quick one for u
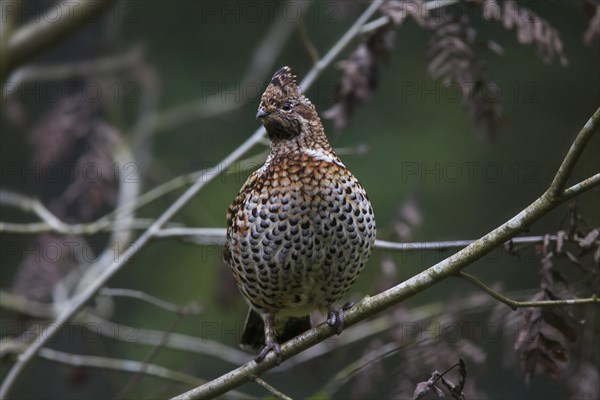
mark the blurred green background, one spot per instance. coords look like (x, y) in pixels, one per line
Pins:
(403, 146)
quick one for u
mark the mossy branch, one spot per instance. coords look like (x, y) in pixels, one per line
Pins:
(451, 266)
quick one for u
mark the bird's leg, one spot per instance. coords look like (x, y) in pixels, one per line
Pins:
(270, 341)
(335, 316)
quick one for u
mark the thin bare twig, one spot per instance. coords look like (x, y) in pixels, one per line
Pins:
(211, 106)
(131, 366)
(38, 35)
(351, 369)
(35, 206)
(104, 223)
(204, 345)
(582, 186)
(80, 360)
(101, 65)
(308, 44)
(453, 244)
(73, 229)
(216, 236)
(514, 304)
(133, 334)
(555, 191)
(107, 222)
(151, 356)
(350, 34)
(155, 301)
(276, 393)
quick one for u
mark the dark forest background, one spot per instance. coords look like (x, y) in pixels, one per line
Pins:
(440, 161)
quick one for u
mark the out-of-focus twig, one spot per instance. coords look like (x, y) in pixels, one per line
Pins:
(132, 366)
(308, 44)
(155, 301)
(102, 65)
(28, 204)
(132, 334)
(210, 106)
(31, 39)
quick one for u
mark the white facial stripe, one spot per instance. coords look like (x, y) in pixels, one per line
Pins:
(320, 155)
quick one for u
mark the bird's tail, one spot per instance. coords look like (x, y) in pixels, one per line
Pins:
(253, 336)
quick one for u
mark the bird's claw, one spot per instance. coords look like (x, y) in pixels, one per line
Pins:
(335, 317)
(268, 347)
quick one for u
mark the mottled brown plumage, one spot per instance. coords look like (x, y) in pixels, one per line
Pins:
(301, 229)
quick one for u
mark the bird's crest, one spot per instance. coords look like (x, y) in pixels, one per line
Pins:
(284, 78)
(282, 87)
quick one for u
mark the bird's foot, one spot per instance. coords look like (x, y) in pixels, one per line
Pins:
(268, 347)
(270, 340)
(335, 316)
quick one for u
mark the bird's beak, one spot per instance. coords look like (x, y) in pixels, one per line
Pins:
(261, 113)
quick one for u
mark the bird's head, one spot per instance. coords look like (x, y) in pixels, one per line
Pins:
(284, 111)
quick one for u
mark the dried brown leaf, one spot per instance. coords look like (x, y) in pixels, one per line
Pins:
(37, 275)
(359, 76)
(510, 14)
(557, 349)
(531, 28)
(558, 320)
(491, 10)
(453, 60)
(74, 137)
(589, 239)
(421, 390)
(397, 11)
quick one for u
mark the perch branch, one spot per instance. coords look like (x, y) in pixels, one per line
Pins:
(369, 306)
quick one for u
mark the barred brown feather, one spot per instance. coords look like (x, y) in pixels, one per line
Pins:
(302, 228)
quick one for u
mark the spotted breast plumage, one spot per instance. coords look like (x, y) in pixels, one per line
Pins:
(301, 229)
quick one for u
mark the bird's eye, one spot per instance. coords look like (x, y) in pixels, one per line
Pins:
(286, 107)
